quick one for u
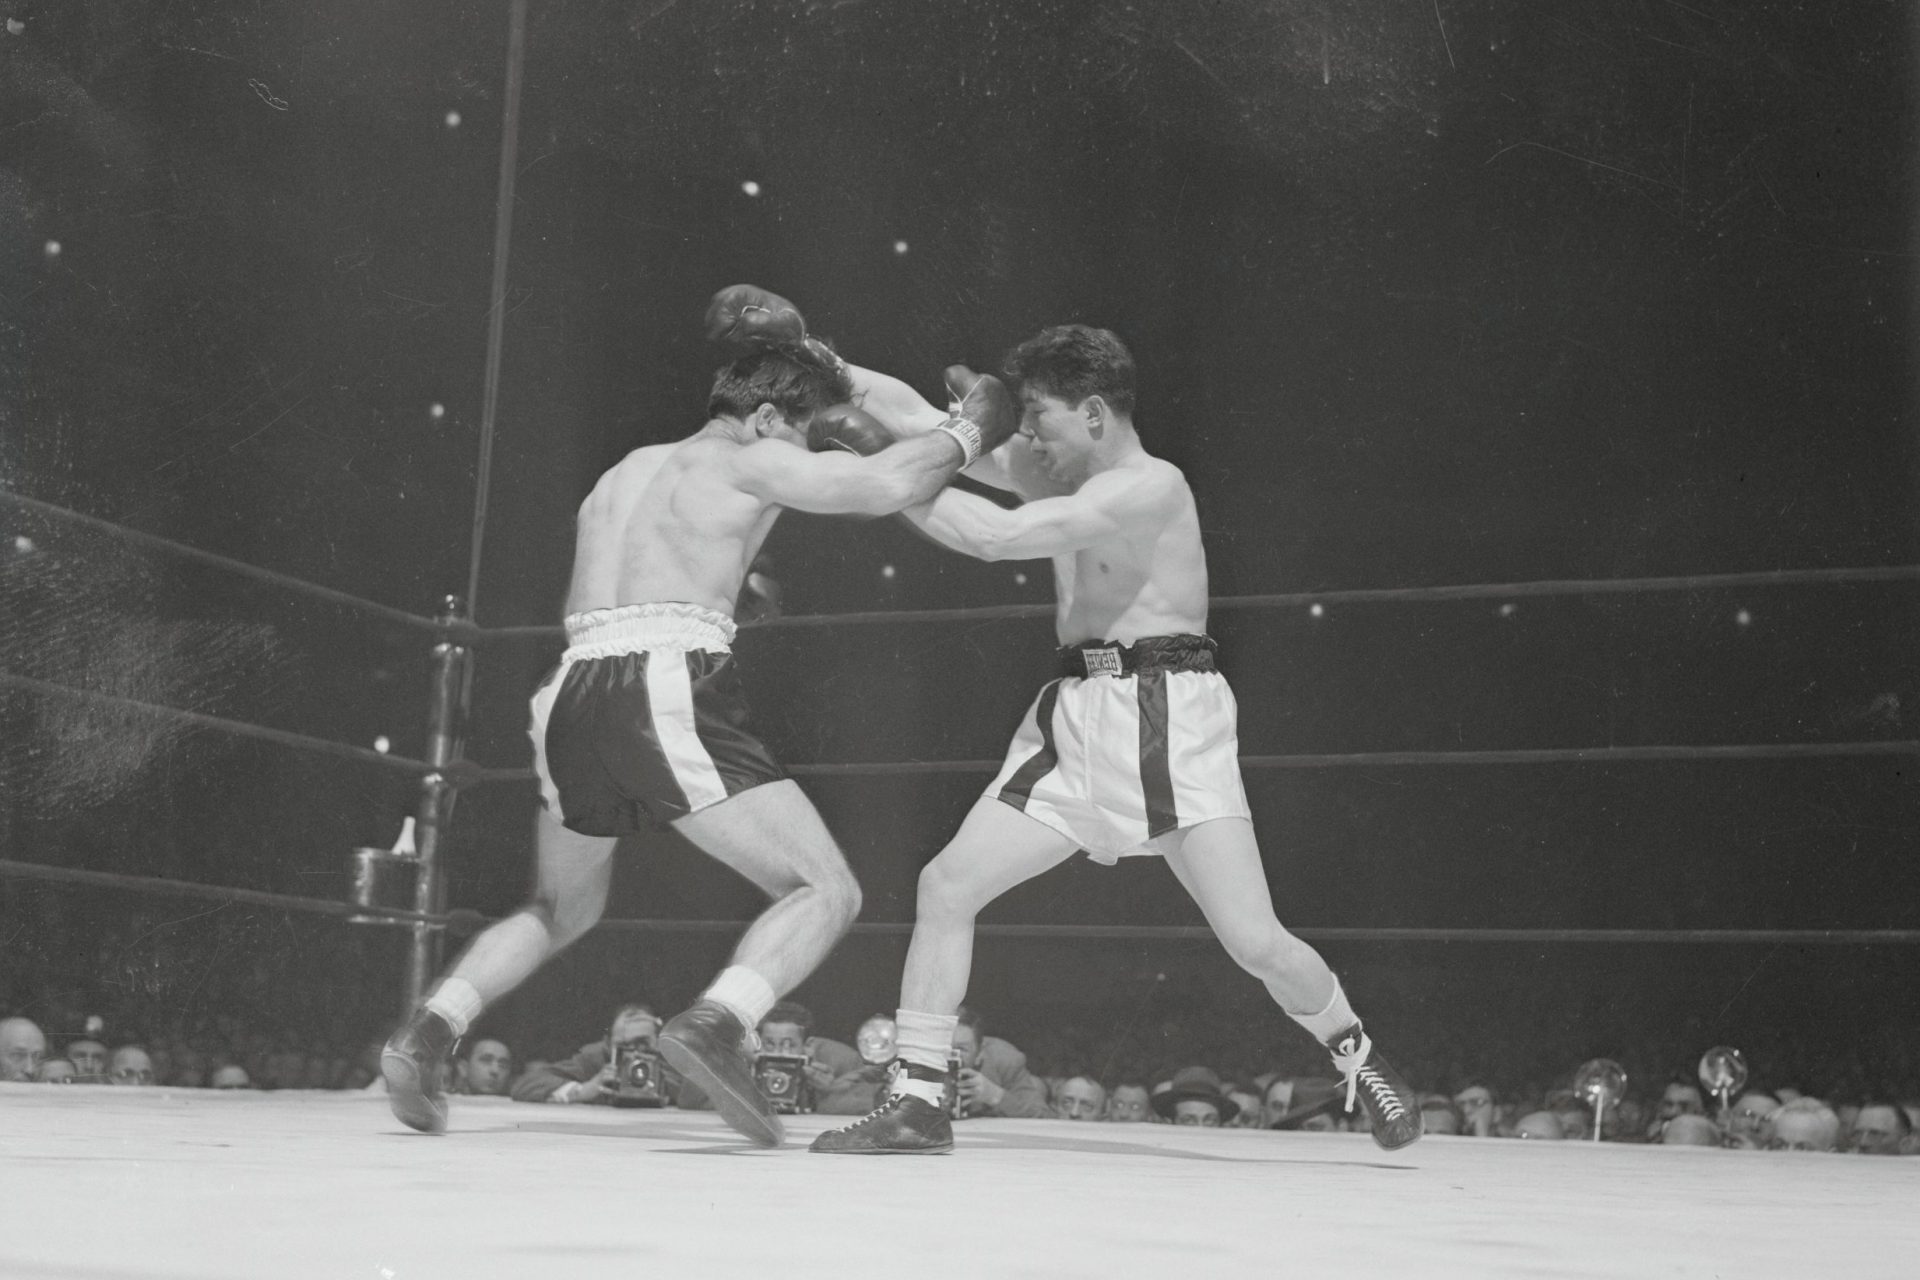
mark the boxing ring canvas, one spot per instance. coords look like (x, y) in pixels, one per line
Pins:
(172, 1185)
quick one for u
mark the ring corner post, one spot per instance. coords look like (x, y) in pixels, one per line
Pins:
(446, 733)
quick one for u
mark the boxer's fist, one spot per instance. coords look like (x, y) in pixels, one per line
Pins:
(749, 316)
(844, 427)
(983, 401)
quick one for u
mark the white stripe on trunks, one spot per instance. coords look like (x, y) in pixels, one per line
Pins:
(670, 694)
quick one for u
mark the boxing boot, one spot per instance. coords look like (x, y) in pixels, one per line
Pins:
(902, 1124)
(708, 1045)
(410, 1062)
(1393, 1110)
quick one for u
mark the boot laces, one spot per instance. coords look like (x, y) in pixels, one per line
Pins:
(889, 1103)
(1354, 1057)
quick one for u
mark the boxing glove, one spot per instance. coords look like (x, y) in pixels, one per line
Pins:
(985, 414)
(749, 316)
(842, 426)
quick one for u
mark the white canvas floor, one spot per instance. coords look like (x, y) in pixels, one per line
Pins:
(131, 1184)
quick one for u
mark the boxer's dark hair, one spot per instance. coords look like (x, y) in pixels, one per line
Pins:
(1074, 361)
(795, 379)
(791, 1011)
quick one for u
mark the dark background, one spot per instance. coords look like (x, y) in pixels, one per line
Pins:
(1475, 292)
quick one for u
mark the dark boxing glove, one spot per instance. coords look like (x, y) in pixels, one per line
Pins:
(985, 415)
(749, 316)
(842, 426)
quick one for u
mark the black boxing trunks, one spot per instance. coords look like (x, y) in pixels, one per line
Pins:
(1131, 742)
(644, 721)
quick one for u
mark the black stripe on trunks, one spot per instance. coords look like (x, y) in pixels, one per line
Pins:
(1156, 772)
(1019, 788)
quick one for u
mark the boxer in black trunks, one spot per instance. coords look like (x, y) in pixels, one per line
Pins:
(643, 723)
(1133, 750)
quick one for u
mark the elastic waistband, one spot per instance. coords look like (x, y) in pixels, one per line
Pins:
(631, 628)
(1092, 658)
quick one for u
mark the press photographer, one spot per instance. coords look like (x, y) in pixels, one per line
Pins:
(622, 1070)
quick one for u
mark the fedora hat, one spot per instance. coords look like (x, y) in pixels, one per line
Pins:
(1190, 1083)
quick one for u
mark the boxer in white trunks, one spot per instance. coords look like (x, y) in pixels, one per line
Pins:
(1132, 750)
(643, 723)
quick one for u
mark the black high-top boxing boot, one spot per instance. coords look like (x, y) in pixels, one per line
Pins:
(411, 1063)
(1392, 1108)
(903, 1123)
(710, 1046)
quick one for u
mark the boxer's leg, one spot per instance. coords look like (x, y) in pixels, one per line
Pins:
(772, 835)
(996, 848)
(1218, 862)
(570, 893)
(571, 876)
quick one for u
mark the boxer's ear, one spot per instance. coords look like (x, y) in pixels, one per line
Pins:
(1095, 410)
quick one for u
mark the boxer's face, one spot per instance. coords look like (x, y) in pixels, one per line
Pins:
(1058, 434)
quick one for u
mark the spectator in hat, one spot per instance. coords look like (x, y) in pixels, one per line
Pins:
(1194, 1096)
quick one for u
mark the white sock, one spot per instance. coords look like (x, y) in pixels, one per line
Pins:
(924, 1039)
(1337, 1017)
(744, 992)
(458, 1002)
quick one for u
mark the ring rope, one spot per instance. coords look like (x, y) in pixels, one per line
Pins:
(241, 567)
(241, 728)
(467, 921)
(465, 773)
(1347, 595)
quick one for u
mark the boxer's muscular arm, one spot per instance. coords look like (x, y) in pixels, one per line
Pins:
(1108, 506)
(906, 412)
(839, 483)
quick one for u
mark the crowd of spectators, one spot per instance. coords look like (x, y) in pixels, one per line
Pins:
(811, 1072)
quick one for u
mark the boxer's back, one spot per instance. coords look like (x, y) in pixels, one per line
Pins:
(667, 523)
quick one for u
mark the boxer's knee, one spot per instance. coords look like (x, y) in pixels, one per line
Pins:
(841, 894)
(1263, 949)
(567, 915)
(944, 891)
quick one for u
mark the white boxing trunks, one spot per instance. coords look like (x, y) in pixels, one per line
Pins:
(1141, 741)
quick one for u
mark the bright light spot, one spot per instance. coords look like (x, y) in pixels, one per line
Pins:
(382, 745)
(1742, 618)
(15, 27)
(23, 544)
(899, 246)
(887, 571)
(436, 411)
(751, 187)
(53, 248)
(1507, 610)
(1318, 611)
(1019, 579)
(453, 119)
